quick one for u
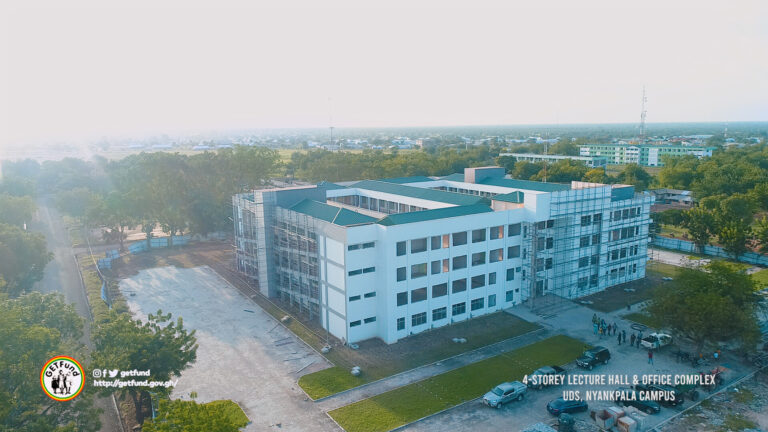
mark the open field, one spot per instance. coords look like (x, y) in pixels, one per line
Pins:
(412, 402)
(615, 297)
(644, 319)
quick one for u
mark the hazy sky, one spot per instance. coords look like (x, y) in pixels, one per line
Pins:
(88, 69)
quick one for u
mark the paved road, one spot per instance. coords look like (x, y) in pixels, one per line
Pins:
(61, 275)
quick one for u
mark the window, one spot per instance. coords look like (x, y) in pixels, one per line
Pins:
(596, 239)
(597, 218)
(615, 234)
(478, 235)
(370, 294)
(550, 242)
(418, 319)
(436, 242)
(439, 313)
(458, 286)
(497, 232)
(492, 278)
(478, 258)
(582, 283)
(550, 223)
(623, 253)
(617, 215)
(437, 267)
(418, 270)
(353, 247)
(492, 300)
(355, 272)
(513, 252)
(625, 214)
(583, 262)
(418, 245)
(354, 298)
(419, 294)
(401, 274)
(400, 248)
(369, 245)
(548, 263)
(541, 225)
(369, 269)
(458, 309)
(509, 296)
(459, 262)
(510, 274)
(354, 323)
(614, 255)
(446, 266)
(477, 304)
(540, 243)
(584, 241)
(459, 238)
(586, 220)
(593, 280)
(369, 320)
(496, 255)
(446, 242)
(402, 298)
(513, 230)
(595, 259)
(401, 323)
(478, 281)
(439, 290)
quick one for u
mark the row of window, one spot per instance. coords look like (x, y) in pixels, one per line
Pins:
(584, 241)
(366, 321)
(622, 253)
(456, 239)
(626, 213)
(361, 271)
(366, 295)
(457, 286)
(361, 246)
(625, 233)
(594, 219)
(442, 312)
(456, 263)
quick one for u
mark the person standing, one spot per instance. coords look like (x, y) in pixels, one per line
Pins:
(639, 338)
(619, 338)
(632, 339)
(594, 327)
(650, 357)
(624, 336)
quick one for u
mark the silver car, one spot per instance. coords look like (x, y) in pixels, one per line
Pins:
(503, 393)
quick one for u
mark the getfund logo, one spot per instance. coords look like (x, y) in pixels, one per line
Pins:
(62, 378)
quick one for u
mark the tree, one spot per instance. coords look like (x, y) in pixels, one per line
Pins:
(635, 175)
(562, 171)
(761, 234)
(77, 203)
(189, 416)
(23, 257)
(16, 210)
(716, 305)
(733, 236)
(524, 170)
(700, 224)
(564, 147)
(597, 175)
(160, 345)
(30, 336)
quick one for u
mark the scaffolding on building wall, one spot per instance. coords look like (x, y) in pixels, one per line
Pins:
(557, 249)
(249, 241)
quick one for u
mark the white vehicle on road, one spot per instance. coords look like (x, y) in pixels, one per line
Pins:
(656, 340)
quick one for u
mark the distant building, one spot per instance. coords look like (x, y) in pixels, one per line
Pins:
(642, 154)
(590, 161)
(675, 197)
(394, 257)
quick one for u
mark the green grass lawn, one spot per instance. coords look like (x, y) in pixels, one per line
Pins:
(674, 231)
(414, 401)
(660, 269)
(761, 278)
(643, 318)
(231, 410)
(379, 360)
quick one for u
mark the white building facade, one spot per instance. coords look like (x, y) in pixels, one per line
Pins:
(387, 259)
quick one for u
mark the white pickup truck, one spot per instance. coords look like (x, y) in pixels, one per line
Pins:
(656, 340)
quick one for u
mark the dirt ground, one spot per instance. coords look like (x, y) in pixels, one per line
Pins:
(742, 407)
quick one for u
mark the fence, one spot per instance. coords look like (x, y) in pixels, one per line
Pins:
(141, 246)
(717, 251)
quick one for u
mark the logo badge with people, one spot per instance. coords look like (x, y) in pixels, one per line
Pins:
(62, 378)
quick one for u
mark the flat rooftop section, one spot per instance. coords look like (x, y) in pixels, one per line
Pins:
(525, 184)
(427, 215)
(403, 180)
(335, 215)
(516, 197)
(420, 193)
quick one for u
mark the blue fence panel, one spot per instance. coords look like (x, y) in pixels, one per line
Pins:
(716, 251)
(180, 240)
(137, 247)
(104, 263)
(158, 242)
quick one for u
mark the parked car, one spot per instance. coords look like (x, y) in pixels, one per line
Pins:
(594, 356)
(628, 397)
(503, 393)
(560, 405)
(679, 397)
(656, 340)
(535, 378)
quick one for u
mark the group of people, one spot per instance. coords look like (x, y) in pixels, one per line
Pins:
(602, 328)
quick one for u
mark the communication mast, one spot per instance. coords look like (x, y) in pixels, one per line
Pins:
(643, 113)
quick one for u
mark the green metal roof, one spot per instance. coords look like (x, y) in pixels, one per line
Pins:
(330, 186)
(402, 180)
(427, 215)
(421, 193)
(525, 184)
(513, 197)
(335, 215)
(459, 177)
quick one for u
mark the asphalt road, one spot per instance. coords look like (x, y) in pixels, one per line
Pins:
(61, 275)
